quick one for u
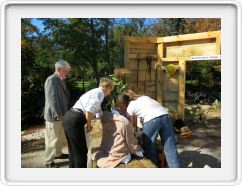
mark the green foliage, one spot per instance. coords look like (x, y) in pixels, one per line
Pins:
(204, 74)
(196, 25)
(30, 81)
(119, 87)
(174, 26)
(197, 114)
(87, 85)
(216, 105)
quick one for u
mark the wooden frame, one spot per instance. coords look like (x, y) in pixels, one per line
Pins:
(163, 51)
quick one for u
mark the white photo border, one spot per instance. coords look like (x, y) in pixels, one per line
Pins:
(10, 98)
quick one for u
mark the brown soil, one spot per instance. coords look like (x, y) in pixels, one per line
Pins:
(33, 129)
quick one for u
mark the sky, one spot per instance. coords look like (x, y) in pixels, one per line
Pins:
(40, 25)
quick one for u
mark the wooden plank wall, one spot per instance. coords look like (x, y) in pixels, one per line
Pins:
(169, 91)
(139, 79)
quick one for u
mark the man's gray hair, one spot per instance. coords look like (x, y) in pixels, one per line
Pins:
(62, 64)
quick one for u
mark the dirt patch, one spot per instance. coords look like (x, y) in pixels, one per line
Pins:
(32, 129)
(32, 146)
(203, 149)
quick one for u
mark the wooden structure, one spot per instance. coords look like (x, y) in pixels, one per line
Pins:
(147, 58)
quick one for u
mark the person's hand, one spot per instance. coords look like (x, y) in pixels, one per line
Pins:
(59, 118)
(89, 128)
(139, 154)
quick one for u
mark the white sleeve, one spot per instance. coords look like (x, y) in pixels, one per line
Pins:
(94, 104)
(130, 110)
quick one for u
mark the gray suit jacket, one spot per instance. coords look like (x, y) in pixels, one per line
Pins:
(57, 99)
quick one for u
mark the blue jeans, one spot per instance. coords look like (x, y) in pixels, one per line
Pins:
(161, 125)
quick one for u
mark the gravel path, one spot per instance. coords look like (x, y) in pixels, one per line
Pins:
(37, 135)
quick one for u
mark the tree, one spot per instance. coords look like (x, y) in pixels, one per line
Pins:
(205, 74)
(28, 53)
(197, 25)
(174, 26)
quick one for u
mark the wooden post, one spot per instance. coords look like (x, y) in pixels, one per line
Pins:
(160, 73)
(126, 52)
(218, 43)
(181, 94)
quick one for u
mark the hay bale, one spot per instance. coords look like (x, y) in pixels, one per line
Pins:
(96, 132)
(134, 163)
(137, 163)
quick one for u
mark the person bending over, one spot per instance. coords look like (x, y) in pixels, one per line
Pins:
(80, 114)
(156, 121)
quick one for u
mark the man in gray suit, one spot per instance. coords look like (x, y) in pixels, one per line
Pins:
(57, 103)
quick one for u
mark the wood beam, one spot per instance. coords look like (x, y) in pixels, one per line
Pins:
(188, 37)
(181, 94)
(141, 39)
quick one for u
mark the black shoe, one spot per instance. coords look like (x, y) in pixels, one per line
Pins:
(51, 165)
(63, 156)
